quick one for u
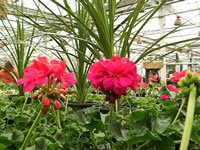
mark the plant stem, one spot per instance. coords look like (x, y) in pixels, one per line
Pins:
(26, 99)
(111, 110)
(56, 117)
(31, 130)
(116, 105)
(179, 111)
(141, 146)
(66, 107)
(189, 119)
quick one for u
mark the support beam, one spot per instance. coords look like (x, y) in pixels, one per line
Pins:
(162, 42)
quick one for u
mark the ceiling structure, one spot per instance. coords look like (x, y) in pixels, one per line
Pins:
(162, 22)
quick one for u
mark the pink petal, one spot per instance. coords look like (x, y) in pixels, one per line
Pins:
(108, 84)
(29, 86)
(41, 81)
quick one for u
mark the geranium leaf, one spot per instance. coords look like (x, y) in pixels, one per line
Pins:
(161, 123)
(2, 147)
(138, 115)
(165, 144)
(17, 136)
(143, 136)
(116, 131)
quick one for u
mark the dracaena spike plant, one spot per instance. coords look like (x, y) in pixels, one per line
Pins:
(189, 82)
(113, 77)
(52, 81)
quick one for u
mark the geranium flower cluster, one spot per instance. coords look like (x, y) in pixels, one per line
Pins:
(172, 88)
(142, 84)
(154, 78)
(164, 96)
(177, 76)
(114, 76)
(52, 80)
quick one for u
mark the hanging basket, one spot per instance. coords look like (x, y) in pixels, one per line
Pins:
(181, 51)
(177, 21)
(192, 54)
(152, 64)
(139, 41)
(1, 45)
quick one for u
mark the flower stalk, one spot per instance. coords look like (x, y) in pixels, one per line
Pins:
(31, 130)
(56, 117)
(189, 118)
(26, 99)
(111, 111)
(179, 111)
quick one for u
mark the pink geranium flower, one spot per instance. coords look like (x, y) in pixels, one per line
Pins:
(50, 77)
(154, 78)
(163, 96)
(178, 75)
(114, 76)
(172, 88)
(142, 84)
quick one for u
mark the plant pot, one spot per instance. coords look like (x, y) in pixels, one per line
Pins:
(76, 105)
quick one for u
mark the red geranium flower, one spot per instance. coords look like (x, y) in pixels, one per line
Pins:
(143, 84)
(114, 76)
(48, 76)
(177, 76)
(163, 96)
(172, 88)
(154, 78)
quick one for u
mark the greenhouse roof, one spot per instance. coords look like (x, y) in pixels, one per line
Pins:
(160, 24)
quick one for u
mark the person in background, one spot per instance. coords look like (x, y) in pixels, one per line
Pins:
(8, 73)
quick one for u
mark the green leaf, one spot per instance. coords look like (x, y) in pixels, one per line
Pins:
(6, 139)
(165, 144)
(2, 114)
(41, 143)
(79, 117)
(161, 123)
(20, 118)
(144, 135)
(98, 125)
(2, 147)
(138, 115)
(17, 136)
(115, 129)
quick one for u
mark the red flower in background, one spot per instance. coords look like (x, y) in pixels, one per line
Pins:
(114, 76)
(163, 96)
(142, 84)
(172, 88)
(154, 78)
(177, 76)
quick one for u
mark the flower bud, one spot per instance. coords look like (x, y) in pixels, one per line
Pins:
(195, 78)
(63, 91)
(45, 102)
(185, 91)
(36, 94)
(44, 110)
(189, 74)
(56, 104)
(58, 93)
(183, 82)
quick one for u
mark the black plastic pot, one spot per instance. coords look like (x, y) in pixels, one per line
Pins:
(77, 106)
